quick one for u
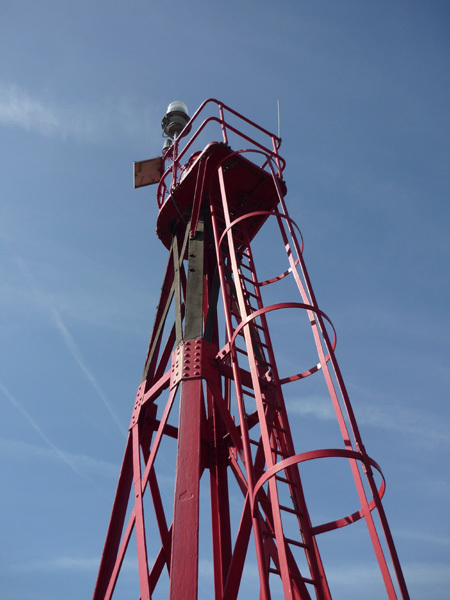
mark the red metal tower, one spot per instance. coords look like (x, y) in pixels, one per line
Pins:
(211, 406)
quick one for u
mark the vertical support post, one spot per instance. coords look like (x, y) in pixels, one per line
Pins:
(220, 508)
(184, 557)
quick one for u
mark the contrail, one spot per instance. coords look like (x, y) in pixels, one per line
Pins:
(70, 342)
(42, 435)
(75, 352)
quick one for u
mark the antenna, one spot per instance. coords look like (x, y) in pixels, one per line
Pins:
(279, 121)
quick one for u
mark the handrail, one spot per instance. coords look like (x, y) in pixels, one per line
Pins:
(177, 152)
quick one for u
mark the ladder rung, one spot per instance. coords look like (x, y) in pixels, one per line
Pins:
(247, 293)
(304, 579)
(238, 239)
(254, 442)
(284, 480)
(246, 267)
(263, 362)
(279, 452)
(290, 510)
(248, 280)
(250, 309)
(258, 342)
(307, 580)
(272, 405)
(295, 543)
(281, 429)
(241, 351)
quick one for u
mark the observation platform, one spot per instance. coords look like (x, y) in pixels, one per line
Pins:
(249, 189)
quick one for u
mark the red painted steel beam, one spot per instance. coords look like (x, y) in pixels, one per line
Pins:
(184, 559)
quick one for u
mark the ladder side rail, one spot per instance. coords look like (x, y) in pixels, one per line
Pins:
(248, 462)
(316, 565)
(266, 524)
(285, 441)
(384, 569)
(308, 296)
(285, 576)
(306, 292)
(360, 488)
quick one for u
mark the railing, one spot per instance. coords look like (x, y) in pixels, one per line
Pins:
(179, 150)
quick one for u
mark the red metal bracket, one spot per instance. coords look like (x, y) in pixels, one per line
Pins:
(137, 404)
(193, 359)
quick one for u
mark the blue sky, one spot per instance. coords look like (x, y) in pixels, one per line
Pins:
(364, 95)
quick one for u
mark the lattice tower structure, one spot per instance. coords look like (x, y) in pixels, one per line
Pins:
(211, 474)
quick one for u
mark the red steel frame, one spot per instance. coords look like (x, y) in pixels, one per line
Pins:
(232, 420)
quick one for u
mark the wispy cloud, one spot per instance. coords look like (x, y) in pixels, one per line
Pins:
(393, 417)
(316, 406)
(425, 538)
(85, 123)
(70, 342)
(425, 574)
(71, 563)
(416, 574)
(18, 109)
(26, 451)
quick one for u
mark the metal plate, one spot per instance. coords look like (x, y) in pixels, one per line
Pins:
(147, 172)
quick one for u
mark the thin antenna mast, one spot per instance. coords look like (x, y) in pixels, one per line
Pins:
(279, 120)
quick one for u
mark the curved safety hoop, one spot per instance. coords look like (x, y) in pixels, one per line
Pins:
(269, 162)
(262, 212)
(268, 157)
(300, 305)
(269, 213)
(315, 454)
